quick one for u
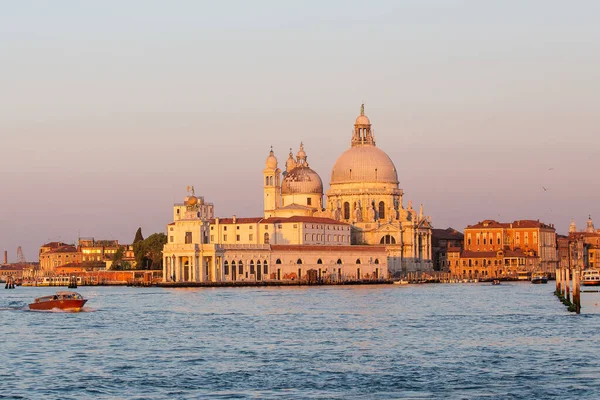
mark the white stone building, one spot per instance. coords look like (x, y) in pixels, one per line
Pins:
(362, 230)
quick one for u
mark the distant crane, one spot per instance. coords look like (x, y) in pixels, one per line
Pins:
(20, 255)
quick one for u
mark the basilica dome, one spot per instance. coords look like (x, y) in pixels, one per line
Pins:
(364, 163)
(302, 180)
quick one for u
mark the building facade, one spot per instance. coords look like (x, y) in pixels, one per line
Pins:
(445, 244)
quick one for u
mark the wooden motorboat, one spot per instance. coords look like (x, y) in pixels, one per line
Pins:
(69, 301)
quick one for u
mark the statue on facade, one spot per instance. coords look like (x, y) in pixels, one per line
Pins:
(410, 204)
(421, 211)
(371, 213)
(358, 212)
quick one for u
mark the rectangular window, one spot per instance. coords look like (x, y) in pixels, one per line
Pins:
(224, 228)
(212, 238)
(237, 237)
(237, 227)
(171, 229)
(188, 237)
(224, 238)
(280, 226)
(250, 227)
(250, 237)
(171, 239)
(308, 201)
(295, 225)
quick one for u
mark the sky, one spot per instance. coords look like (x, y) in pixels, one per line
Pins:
(109, 109)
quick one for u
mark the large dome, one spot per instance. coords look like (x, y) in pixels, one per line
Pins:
(365, 163)
(302, 180)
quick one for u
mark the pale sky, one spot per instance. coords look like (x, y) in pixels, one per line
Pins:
(109, 109)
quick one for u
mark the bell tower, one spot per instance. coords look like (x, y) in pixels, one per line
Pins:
(272, 185)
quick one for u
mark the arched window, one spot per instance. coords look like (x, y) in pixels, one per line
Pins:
(276, 262)
(381, 210)
(240, 267)
(346, 210)
(252, 266)
(299, 261)
(226, 268)
(266, 181)
(265, 268)
(319, 261)
(266, 237)
(339, 261)
(377, 261)
(233, 267)
(388, 239)
(358, 260)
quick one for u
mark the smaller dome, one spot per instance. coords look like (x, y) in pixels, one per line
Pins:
(271, 161)
(190, 200)
(302, 180)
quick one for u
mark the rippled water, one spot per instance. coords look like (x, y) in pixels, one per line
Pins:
(423, 341)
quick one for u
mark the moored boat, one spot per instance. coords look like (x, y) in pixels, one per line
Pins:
(539, 278)
(590, 277)
(70, 301)
(401, 282)
(496, 282)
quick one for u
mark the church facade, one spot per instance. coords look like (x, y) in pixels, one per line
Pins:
(359, 230)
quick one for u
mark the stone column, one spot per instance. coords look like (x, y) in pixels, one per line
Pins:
(213, 270)
(164, 269)
(177, 262)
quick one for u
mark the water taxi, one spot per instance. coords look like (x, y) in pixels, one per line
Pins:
(590, 277)
(69, 301)
(539, 278)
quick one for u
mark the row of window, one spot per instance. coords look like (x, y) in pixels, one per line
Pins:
(320, 237)
(320, 261)
(239, 267)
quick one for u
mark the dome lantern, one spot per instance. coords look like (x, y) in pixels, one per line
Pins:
(362, 130)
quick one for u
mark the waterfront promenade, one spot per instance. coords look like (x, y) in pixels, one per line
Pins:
(336, 342)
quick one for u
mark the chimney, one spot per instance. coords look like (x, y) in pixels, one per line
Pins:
(234, 219)
(5, 257)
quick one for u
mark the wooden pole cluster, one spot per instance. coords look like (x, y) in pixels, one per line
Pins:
(558, 283)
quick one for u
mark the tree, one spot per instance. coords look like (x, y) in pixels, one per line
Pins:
(138, 236)
(148, 252)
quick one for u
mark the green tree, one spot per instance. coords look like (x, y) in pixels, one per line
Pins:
(138, 236)
(148, 252)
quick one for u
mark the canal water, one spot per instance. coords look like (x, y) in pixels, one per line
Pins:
(462, 341)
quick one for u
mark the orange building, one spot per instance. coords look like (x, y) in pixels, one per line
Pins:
(55, 254)
(534, 240)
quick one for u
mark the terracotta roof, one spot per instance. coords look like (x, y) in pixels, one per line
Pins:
(446, 234)
(520, 223)
(306, 247)
(252, 220)
(54, 245)
(14, 267)
(453, 249)
(315, 220)
(63, 249)
(488, 223)
(529, 223)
